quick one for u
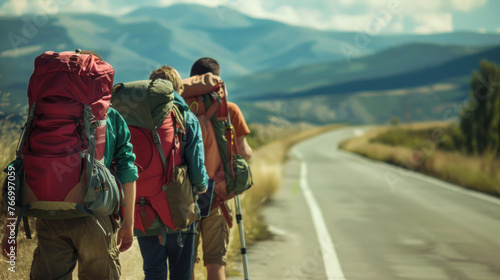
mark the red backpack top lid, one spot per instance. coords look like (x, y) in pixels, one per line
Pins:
(92, 78)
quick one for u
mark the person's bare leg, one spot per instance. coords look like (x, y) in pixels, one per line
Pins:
(216, 272)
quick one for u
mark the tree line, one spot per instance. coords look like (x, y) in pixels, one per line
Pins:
(479, 126)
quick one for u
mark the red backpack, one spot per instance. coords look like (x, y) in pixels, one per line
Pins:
(60, 171)
(165, 201)
(206, 97)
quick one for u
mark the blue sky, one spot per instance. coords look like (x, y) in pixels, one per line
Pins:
(392, 16)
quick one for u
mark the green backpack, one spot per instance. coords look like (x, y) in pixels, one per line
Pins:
(165, 199)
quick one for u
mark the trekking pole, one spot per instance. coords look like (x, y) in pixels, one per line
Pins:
(239, 220)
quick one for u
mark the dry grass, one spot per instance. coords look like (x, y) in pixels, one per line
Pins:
(23, 262)
(131, 262)
(9, 133)
(473, 172)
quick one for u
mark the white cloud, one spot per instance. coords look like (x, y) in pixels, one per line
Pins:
(20, 7)
(433, 23)
(21, 51)
(346, 3)
(87, 6)
(482, 30)
(430, 16)
(351, 23)
(467, 5)
(212, 3)
(437, 6)
(15, 7)
(421, 16)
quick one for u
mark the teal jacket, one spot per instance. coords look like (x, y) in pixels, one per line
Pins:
(119, 148)
(194, 151)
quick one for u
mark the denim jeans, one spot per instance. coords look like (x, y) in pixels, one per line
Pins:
(156, 256)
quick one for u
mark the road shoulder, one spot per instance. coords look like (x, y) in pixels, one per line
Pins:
(293, 252)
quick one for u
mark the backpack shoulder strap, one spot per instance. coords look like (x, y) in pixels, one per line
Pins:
(181, 129)
(96, 170)
(25, 130)
(157, 141)
(179, 122)
(215, 106)
(184, 139)
(180, 118)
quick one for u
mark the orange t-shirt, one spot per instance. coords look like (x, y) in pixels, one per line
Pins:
(212, 156)
(237, 120)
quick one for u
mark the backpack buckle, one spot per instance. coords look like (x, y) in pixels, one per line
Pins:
(156, 138)
(88, 113)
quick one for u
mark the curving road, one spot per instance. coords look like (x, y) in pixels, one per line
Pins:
(340, 216)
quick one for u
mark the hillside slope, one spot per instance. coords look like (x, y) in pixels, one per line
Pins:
(177, 35)
(436, 92)
(393, 61)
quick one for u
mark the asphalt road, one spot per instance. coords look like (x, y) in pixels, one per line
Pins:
(340, 216)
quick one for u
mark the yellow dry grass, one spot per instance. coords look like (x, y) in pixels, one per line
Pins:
(9, 133)
(474, 172)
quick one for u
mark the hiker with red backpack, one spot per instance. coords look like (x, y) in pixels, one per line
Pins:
(226, 154)
(71, 152)
(170, 155)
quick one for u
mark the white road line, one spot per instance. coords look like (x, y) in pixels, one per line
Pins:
(330, 259)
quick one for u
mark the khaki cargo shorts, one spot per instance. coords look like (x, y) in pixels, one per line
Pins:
(91, 241)
(214, 233)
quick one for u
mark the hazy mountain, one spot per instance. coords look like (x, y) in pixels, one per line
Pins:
(258, 44)
(196, 16)
(389, 62)
(455, 71)
(434, 92)
(145, 39)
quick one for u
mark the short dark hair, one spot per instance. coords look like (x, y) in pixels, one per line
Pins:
(92, 53)
(205, 65)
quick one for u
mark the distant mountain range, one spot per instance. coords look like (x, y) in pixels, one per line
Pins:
(413, 82)
(261, 59)
(383, 64)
